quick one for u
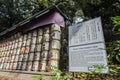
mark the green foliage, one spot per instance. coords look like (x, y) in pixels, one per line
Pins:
(116, 21)
(14, 11)
(114, 69)
(113, 49)
(40, 77)
(56, 75)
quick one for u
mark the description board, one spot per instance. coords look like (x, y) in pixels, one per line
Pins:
(87, 47)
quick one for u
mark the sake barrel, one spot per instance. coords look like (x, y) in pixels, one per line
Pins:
(45, 46)
(27, 49)
(7, 47)
(55, 44)
(11, 52)
(25, 57)
(29, 66)
(31, 56)
(34, 33)
(55, 27)
(28, 42)
(38, 48)
(55, 35)
(7, 67)
(46, 37)
(33, 41)
(9, 59)
(6, 59)
(20, 44)
(39, 39)
(4, 54)
(3, 59)
(40, 32)
(44, 55)
(4, 65)
(0, 59)
(46, 30)
(42, 65)
(16, 58)
(12, 47)
(19, 66)
(1, 65)
(13, 58)
(14, 65)
(15, 52)
(16, 45)
(32, 48)
(23, 50)
(18, 51)
(35, 66)
(13, 41)
(24, 43)
(29, 35)
(37, 56)
(8, 52)
(25, 37)
(11, 66)
(20, 38)
(52, 64)
(20, 57)
(17, 40)
(24, 65)
(4, 48)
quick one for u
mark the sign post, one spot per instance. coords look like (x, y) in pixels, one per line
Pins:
(87, 47)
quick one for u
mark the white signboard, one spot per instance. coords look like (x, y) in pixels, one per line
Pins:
(86, 47)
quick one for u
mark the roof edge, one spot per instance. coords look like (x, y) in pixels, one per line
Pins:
(34, 16)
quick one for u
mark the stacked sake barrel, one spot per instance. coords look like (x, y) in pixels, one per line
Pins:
(3, 55)
(15, 51)
(53, 56)
(37, 53)
(8, 51)
(19, 56)
(24, 52)
(36, 50)
(12, 52)
(31, 42)
(45, 48)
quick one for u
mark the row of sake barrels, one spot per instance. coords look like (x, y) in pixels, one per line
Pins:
(53, 55)
(54, 44)
(50, 60)
(31, 65)
(55, 33)
(29, 41)
(16, 43)
(17, 37)
(38, 48)
(45, 55)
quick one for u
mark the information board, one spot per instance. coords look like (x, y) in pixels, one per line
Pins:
(87, 47)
